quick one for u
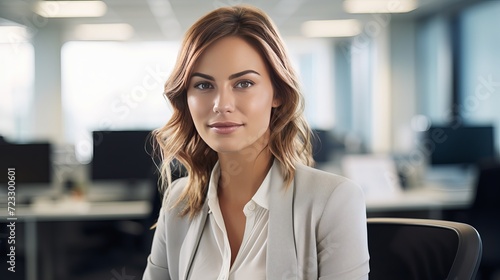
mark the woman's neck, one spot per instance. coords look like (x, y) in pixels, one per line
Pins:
(243, 173)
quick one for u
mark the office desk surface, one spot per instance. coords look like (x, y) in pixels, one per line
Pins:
(423, 198)
(68, 210)
(439, 189)
(81, 210)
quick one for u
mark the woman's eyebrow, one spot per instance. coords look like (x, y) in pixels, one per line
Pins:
(205, 76)
(232, 76)
(239, 74)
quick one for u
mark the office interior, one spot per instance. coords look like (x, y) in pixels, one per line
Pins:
(403, 98)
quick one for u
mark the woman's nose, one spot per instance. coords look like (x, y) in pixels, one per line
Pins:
(224, 101)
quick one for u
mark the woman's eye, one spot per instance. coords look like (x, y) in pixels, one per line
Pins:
(203, 86)
(244, 84)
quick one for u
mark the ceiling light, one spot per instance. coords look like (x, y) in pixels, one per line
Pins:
(64, 9)
(104, 32)
(331, 28)
(379, 6)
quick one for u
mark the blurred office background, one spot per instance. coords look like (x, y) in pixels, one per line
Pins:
(403, 95)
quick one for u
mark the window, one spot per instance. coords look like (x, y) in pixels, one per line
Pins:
(16, 89)
(434, 70)
(313, 62)
(480, 71)
(113, 86)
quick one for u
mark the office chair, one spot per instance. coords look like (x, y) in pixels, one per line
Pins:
(484, 212)
(422, 249)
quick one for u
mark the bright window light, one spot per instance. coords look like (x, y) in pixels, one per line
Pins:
(64, 9)
(112, 86)
(379, 6)
(11, 34)
(331, 28)
(104, 32)
(16, 90)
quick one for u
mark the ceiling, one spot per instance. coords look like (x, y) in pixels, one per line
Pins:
(168, 19)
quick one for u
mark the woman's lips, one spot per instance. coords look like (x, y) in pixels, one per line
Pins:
(225, 127)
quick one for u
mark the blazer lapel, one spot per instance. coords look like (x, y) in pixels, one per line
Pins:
(190, 245)
(281, 250)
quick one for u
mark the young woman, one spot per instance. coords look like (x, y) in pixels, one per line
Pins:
(251, 207)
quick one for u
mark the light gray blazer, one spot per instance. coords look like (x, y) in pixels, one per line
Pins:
(317, 230)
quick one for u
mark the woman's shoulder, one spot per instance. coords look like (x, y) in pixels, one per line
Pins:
(325, 192)
(173, 192)
(318, 181)
(319, 176)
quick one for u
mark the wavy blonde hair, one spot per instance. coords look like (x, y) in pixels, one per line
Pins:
(290, 135)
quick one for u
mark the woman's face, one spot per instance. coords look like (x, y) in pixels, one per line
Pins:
(230, 96)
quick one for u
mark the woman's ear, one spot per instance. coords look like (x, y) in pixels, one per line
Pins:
(276, 102)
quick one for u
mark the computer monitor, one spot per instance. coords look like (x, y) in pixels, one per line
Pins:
(32, 162)
(122, 155)
(459, 145)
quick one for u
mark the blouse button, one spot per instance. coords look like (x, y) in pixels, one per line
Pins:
(251, 206)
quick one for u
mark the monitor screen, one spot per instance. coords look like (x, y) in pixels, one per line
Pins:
(32, 162)
(121, 155)
(460, 145)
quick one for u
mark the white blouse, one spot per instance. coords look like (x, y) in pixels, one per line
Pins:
(212, 259)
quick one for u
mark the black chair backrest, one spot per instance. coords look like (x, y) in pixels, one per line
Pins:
(488, 186)
(422, 249)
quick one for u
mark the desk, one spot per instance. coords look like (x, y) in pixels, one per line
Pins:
(430, 193)
(70, 211)
(424, 198)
